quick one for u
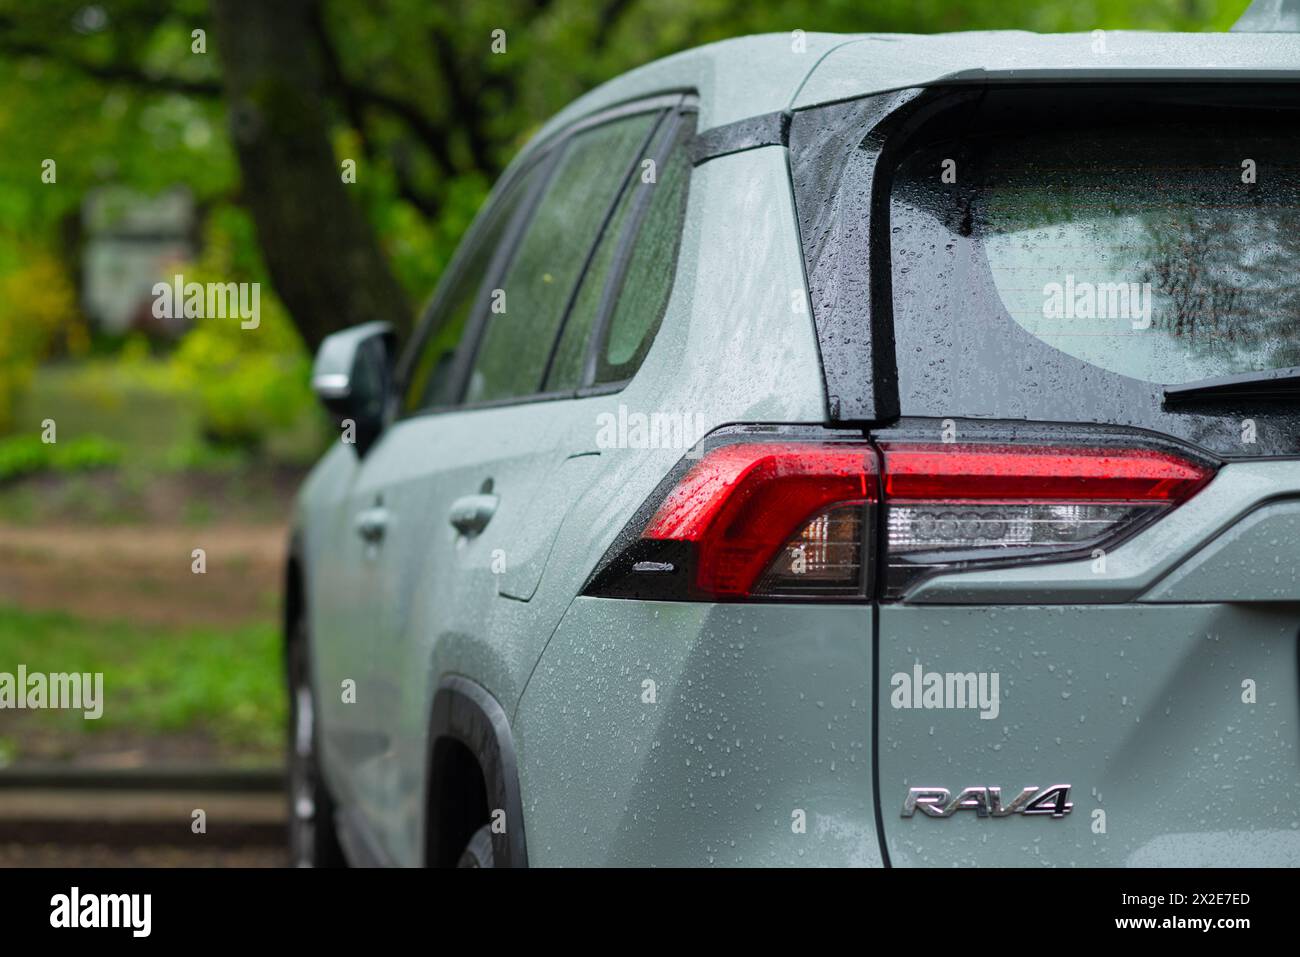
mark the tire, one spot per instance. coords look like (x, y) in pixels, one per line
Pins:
(478, 852)
(313, 840)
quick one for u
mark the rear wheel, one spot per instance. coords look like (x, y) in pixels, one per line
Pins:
(313, 841)
(478, 852)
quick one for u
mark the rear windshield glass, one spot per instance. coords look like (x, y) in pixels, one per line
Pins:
(1153, 236)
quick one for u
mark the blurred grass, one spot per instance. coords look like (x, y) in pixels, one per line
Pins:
(131, 450)
(137, 405)
(223, 681)
(130, 436)
(28, 455)
(129, 404)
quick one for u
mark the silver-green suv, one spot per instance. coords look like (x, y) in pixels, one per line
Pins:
(832, 450)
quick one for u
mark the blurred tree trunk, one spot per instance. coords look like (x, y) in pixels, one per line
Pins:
(323, 256)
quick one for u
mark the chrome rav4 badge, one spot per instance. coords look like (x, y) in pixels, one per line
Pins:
(987, 802)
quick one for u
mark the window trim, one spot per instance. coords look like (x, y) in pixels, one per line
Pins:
(673, 104)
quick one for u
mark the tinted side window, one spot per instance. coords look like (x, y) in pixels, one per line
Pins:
(639, 274)
(429, 383)
(540, 279)
(649, 277)
(571, 353)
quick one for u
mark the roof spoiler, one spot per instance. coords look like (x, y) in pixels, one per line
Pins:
(1269, 16)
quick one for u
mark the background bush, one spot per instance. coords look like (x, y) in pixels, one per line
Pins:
(38, 315)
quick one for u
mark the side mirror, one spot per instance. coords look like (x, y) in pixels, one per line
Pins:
(353, 378)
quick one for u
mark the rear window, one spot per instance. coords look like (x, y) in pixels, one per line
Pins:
(1153, 235)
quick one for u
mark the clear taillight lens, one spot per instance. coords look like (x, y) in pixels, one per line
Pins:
(949, 525)
(953, 505)
(826, 556)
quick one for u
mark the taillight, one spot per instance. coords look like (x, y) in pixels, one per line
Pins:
(772, 519)
(956, 505)
(797, 519)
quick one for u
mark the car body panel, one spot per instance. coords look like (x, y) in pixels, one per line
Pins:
(1138, 708)
(1246, 563)
(736, 344)
(874, 64)
(735, 79)
(751, 747)
(337, 575)
(437, 584)
(532, 543)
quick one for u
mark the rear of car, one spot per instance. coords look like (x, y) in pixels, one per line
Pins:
(850, 451)
(1081, 318)
(1025, 591)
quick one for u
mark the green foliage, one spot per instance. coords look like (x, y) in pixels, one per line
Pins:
(37, 315)
(58, 103)
(115, 94)
(27, 455)
(249, 382)
(197, 455)
(129, 399)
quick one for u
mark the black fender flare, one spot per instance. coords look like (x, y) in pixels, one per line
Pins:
(465, 711)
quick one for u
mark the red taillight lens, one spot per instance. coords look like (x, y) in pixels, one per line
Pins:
(751, 519)
(796, 519)
(955, 504)
(742, 503)
(1010, 473)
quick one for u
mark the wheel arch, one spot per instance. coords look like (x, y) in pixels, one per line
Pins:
(465, 714)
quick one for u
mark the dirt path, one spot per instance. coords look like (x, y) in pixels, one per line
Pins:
(97, 855)
(144, 573)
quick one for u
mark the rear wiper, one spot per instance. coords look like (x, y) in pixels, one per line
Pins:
(1266, 384)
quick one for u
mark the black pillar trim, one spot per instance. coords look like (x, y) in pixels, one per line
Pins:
(844, 231)
(769, 129)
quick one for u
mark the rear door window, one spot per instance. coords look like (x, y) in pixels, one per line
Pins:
(430, 382)
(632, 270)
(525, 312)
(648, 278)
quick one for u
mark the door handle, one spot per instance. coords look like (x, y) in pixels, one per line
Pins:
(471, 513)
(371, 524)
